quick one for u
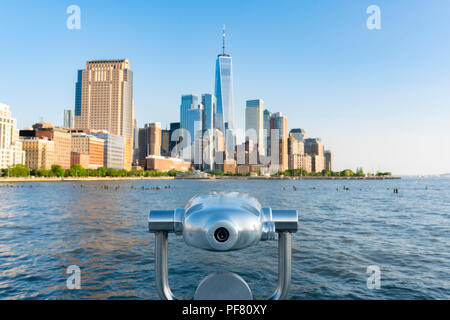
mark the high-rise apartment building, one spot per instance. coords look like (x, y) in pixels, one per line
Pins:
(254, 123)
(104, 100)
(296, 155)
(11, 152)
(62, 139)
(224, 90)
(69, 119)
(149, 141)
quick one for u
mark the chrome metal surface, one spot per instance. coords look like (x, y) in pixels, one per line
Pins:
(161, 266)
(238, 214)
(223, 285)
(285, 220)
(223, 222)
(284, 266)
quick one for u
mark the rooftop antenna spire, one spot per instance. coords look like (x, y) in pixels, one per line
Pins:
(223, 39)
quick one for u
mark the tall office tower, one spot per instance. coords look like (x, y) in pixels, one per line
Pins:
(114, 149)
(209, 103)
(69, 118)
(224, 90)
(266, 115)
(165, 143)
(38, 152)
(328, 160)
(62, 139)
(11, 152)
(104, 100)
(149, 141)
(298, 134)
(195, 121)
(173, 144)
(279, 122)
(195, 126)
(254, 121)
(188, 101)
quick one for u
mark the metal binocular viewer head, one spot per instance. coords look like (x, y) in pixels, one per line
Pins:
(223, 222)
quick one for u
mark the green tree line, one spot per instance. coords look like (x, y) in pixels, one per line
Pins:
(77, 170)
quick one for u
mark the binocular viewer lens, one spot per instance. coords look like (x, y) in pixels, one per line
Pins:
(221, 235)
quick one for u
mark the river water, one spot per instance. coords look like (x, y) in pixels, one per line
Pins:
(46, 227)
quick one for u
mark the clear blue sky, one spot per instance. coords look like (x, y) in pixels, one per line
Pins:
(379, 99)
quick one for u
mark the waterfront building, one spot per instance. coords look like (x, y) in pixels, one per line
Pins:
(328, 160)
(279, 122)
(69, 119)
(165, 164)
(39, 152)
(149, 141)
(62, 142)
(318, 163)
(114, 149)
(224, 90)
(11, 152)
(188, 101)
(104, 100)
(89, 149)
(296, 154)
(254, 122)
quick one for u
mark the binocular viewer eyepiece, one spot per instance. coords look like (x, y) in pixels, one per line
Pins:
(223, 222)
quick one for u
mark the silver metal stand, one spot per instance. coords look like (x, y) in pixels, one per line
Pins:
(162, 273)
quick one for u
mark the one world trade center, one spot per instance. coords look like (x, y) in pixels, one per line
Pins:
(224, 91)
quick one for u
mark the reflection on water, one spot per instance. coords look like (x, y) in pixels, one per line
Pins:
(49, 226)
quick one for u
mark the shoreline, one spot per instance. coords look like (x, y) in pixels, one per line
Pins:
(92, 179)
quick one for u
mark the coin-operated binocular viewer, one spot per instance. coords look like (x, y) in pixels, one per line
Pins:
(223, 222)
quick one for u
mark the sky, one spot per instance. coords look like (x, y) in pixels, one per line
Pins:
(378, 99)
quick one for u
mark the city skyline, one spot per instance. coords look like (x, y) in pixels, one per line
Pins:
(359, 101)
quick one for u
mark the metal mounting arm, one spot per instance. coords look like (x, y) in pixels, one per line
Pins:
(284, 266)
(161, 266)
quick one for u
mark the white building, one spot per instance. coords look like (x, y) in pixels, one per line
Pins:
(11, 152)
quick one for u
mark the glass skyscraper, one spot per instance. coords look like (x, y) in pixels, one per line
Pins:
(188, 101)
(224, 90)
(210, 105)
